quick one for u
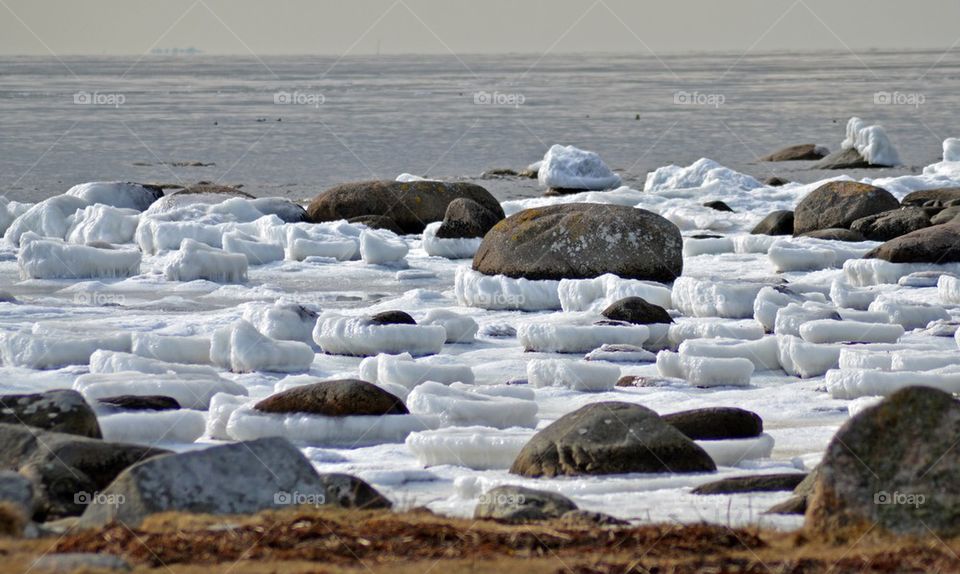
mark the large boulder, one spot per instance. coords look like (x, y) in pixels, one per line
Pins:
(775, 223)
(63, 411)
(411, 204)
(946, 216)
(345, 397)
(837, 204)
(238, 478)
(582, 241)
(716, 423)
(752, 483)
(844, 159)
(924, 197)
(889, 224)
(638, 311)
(510, 503)
(609, 438)
(894, 466)
(799, 152)
(467, 218)
(936, 244)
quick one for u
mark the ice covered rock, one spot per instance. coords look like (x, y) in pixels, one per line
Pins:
(403, 370)
(49, 218)
(939, 244)
(705, 371)
(171, 348)
(701, 173)
(837, 204)
(123, 194)
(240, 348)
(561, 338)
(711, 298)
(466, 218)
(570, 168)
(610, 438)
(190, 390)
(359, 336)
(574, 375)
(39, 348)
(282, 321)
(805, 360)
(582, 241)
(244, 423)
(833, 331)
(498, 292)
(257, 252)
(337, 398)
(509, 503)
(605, 290)
(798, 152)
(620, 354)
(853, 383)
(450, 248)
(179, 426)
(465, 405)
(196, 260)
(53, 259)
(459, 328)
(871, 142)
(478, 448)
(763, 353)
(63, 411)
(412, 205)
(381, 246)
(104, 224)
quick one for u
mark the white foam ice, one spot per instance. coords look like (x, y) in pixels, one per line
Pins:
(864, 272)
(771, 299)
(38, 348)
(948, 289)
(806, 360)
(153, 428)
(241, 348)
(620, 354)
(763, 353)
(281, 320)
(405, 371)
(104, 224)
(103, 361)
(465, 405)
(257, 252)
(701, 173)
(358, 336)
(833, 331)
(711, 298)
(810, 254)
(854, 383)
(122, 194)
(570, 374)
(567, 167)
(909, 315)
(732, 452)
(48, 218)
(171, 348)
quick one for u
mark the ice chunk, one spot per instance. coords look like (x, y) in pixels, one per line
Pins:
(844, 295)
(559, 338)
(705, 371)
(49, 218)
(403, 370)
(349, 431)
(790, 318)
(753, 243)
(103, 223)
(196, 260)
(853, 383)
(339, 249)
(948, 289)
(151, 428)
(708, 328)
(469, 406)
(123, 194)
(598, 293)
(773, 298)
(733, 451)
(621, 354)
(476, 447)
(832, 331)
(222, 406)
(707, 246)
(257, 253)
(808, 254)
(710, 298)
(872, 142)
(448, 247)
(282, 321)
(763, 353)
(805, 360)
(39, 349)
(170, 348)
(701, 173)
(242, 349)
(191, 391)
(858, 405)
(863, 272)
(358, 336)
(496, 292)
(459, 328)
(378, 246)
(103, 361)
(927, 360)
(951, 149)
(909, 315)
(154, 236)
(865, 357)
(574, 375)
(53, 259)
(567, 167)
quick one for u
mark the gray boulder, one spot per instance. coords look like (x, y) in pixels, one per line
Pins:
(238, 478)
(716, 423)
(377, 222)
(799, 152)
(141, 403)
(924, 197)
(753, 483)
(836, 234)
(638, 311)
(17, 490)
(466, 218)
(519, 504)
(609, 438)
(843, 159)
(775, 223)
(582, 241)
(893, 466)
(890, 224)
(946, 216)
(345, 397)
(837, 204)
(63, 411)
(935, 244)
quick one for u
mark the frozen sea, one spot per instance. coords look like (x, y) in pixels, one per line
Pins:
(361, 118)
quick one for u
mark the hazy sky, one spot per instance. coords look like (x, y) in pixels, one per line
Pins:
(68, 27)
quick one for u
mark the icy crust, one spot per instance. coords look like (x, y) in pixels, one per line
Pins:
(732, 452)
(810, 254)
(702, 173)
(171, 348)
(465, 405)
(499, 292)
(854, 383)
(192, 391)
(872, 142)
(711, 298)
(153, 428)
(567, 167)
(450, 248)
(404, 371)
(598, 293)
(39, 348)
(240, 348)
(53, 259)
(459, 328)
(865, 272)
(197, 260)
(705, 371)
(573, 375)
(359, 337)
(474, 447)
(560, 338)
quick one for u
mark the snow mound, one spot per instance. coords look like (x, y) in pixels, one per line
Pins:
(574, 375)
(567, 167)
(464, 405)
(872, 142)
(558, 338)
(123, 194)
(475, 447)
(191, 391)
(171, 348)
(197, 260)
(281, 321)
(53, 259)
(709, 298)
(406, 372)
(459, 328)
(381, 246)
(701, 173)
(350, 431)
(103, 223)
(151, 428)
(41, 349)
(358, 336)
(705, 371)
(448, 247)
(499, 292)
(240, 348)
(598, 293)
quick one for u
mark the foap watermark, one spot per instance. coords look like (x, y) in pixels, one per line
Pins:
(502, 499)
(85, 98)
(85, 498)
(500, 300)
(915, 99)
(483, 98)
(98, 298)
(883, 497)
(684, 98)
(298, 98)
(295, 498)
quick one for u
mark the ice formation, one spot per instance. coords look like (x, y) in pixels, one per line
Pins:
(450, 248)
(349, 432)
(574, 375)
(705, 371)
(459, 328)
(196, 260)
(358, 336)
(475, 447)
(257, 252)
(191, 391)
(732, 452)
(240, 348)
(40, 258)
(598, 293)
(171, 348)
(406, 372)
(464, 405)
(104, 224)
(282, 321)
(560, 338)
(153, 428)
(566, 167)
(701, 173)
(710, 298)
(494, 292)
(381, 246)
(39, 348)
(872, 142)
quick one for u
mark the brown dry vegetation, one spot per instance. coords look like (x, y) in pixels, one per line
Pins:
(315, 540)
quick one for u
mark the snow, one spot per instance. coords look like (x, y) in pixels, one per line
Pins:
(710, 298)
(871, 141)
(38, 348)
(450, 248)
(600, 292)
(283, 321)
(498, 292)
(459, 328)
(153, 428)
(560, 338)
(567, 167)
(240, 348)
(357, 336)
(381, 246)
(349, 431)
(475, 447)
(733, 452)
(702, 371)
(463, 405)
(404, 371)
(103, 223)
(573, 375)
(257, 253)
(832, 331)
(40, 258)
(171, 348)
(196, 260)
(191, 391)
(121, 194)
(703, 173)
(854, 383)
(948, 289)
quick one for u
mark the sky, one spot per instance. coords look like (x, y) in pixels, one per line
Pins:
(266, 27)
